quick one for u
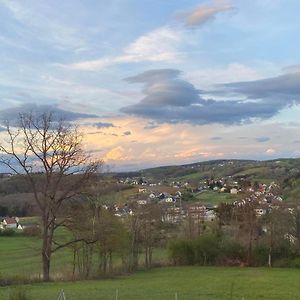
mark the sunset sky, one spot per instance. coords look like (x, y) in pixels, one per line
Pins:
(157, 82)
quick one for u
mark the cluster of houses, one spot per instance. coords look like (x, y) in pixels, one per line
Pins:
(264, 196)
(196, 213)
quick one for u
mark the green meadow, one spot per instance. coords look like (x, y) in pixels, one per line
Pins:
(20, 255)
(201, 283)
(216, 198)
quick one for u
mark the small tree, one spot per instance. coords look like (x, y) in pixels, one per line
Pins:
(48, 153)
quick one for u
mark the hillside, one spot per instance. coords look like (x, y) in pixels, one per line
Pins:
(255, 170)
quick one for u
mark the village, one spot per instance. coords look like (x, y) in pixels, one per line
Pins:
(178, 201)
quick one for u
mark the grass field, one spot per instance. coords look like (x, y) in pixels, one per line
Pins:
(216, 197)
(20, 255)
(201, 283)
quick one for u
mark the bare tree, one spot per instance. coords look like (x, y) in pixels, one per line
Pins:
(48, 153)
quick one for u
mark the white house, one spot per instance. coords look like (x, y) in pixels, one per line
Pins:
(234, 191)
(11, 223)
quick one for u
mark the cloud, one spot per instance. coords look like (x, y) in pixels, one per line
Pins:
(12, 114)
(156, 46)
(291, 69)
(284, 87)
(262, 139)
(170, 99)
(151, 125)
(117, 153)
(270, 151)
(102, 133)
(233, 72)
(41, 21)
(205, 13)
(103, 125)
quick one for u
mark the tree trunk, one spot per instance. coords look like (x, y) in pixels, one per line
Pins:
(46, 256)
(48, 229)
(249, 255)
(146, 257)
(150, 257)
(270, 258)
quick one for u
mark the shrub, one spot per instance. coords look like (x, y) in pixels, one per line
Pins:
(33, 231)
(281, 263)
(283, 250)
(181, 252)
(207, 249)
(7, 232)
(232, 252)
(260, 255)
(295, 263)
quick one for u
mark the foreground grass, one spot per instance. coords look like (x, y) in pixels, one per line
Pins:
(202, 283)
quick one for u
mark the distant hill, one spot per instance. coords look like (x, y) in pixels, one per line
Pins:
(278, 169)
(284, 171)
(16, 193)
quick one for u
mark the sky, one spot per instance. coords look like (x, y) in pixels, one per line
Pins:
(158, 82)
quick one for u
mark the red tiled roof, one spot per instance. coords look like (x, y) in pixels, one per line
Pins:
(10, 220)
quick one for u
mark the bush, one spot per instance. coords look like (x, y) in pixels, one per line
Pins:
(207, 249)
(181, 252)
(33, 231)
(17, 279)
(295, 263)
(283, 250)
(7, 232)
(232, 253)
(281, 263)
(260, 255)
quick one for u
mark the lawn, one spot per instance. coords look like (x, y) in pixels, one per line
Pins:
(20, 255)
(213, 197)
(201, 283)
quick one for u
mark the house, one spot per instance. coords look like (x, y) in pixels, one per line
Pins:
(210, 215)
(169, 200)
(152, 196)
(12, 223)
(142, 202)
(234, 191)
(260, 212)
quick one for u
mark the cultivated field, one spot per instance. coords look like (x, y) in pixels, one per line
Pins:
(201, 283)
